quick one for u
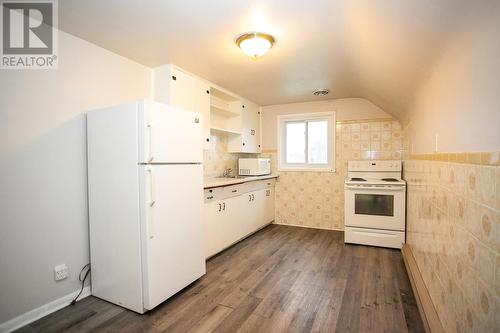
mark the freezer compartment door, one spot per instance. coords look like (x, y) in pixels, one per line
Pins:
(169, 135)
(173, 229)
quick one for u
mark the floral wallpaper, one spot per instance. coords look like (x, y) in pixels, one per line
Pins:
(453, 229)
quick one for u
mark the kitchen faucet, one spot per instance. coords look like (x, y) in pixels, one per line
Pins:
(227, 172)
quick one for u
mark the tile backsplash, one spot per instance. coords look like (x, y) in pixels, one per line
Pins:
(453, 229)
(217, 159)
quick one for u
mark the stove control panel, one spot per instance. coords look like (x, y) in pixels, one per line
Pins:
(378, 166)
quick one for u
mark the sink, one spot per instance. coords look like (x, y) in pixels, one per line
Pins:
(231, 177)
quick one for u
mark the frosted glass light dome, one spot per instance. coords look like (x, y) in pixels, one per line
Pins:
(255, 44)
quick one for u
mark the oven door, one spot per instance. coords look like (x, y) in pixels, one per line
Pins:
(376, 207)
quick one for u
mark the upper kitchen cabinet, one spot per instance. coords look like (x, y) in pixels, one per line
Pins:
(172, 85)
(222, 111)
(225, 112)
(249, 124)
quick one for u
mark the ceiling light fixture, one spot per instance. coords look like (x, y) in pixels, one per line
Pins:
(255, 44)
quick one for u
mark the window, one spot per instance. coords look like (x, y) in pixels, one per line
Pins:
(306, 142)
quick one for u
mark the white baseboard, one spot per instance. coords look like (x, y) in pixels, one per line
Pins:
(306, 226)
(42, 311)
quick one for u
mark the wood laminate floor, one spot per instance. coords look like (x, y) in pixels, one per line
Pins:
(282, 279)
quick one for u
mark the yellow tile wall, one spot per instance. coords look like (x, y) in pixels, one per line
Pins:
(453, 228)
(316, 199)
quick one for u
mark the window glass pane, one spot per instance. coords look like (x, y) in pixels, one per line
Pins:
(317, 139)
(295, 142)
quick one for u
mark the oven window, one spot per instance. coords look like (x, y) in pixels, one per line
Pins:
(374, 204)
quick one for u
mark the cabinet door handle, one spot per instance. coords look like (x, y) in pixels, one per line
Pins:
(268, 193)
(210, 197)
(249, 197)
(223, 206)
(234, 191)
(220, 207)
(252, 132)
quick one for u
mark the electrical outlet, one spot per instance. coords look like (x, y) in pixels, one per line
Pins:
(60, 272)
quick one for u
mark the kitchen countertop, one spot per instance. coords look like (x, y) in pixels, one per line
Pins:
(221, 181)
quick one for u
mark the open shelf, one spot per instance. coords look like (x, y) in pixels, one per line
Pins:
(223, 112)
(224, 104)
(224, 130)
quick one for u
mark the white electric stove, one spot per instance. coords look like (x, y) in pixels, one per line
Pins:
(375, 197)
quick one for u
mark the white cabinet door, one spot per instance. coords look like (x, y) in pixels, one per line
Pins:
(201, 104)
(180, 89)
(214, 227)
(172, 229)
(249, 140)
(169, 135)
(269, 205)
(252, 213)
(223, 225)
(232, 231)
(260, 209)
(250, 131)
(247, 218)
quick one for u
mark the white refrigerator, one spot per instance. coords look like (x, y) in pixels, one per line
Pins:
(145, 190)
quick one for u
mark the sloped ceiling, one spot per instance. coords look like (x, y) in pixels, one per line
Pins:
(375, 49)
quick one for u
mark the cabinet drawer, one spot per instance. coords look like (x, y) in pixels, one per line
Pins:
(224, 192)
(214, 194)
(260, 185)
(233, 190)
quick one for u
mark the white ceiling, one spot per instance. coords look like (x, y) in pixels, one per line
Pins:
(375, 49)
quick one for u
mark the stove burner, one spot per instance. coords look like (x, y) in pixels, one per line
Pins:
(390, 180)
(358, 179)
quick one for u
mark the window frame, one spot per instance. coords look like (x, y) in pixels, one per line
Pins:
(306, 117)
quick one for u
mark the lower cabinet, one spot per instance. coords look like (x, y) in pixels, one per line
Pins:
(269, 203)
(229, 217)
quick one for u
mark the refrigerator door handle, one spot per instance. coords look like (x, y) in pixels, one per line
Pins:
(150, 134)
(151, 188)
(152, 201)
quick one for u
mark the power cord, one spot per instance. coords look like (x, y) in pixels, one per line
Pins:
(82, 280)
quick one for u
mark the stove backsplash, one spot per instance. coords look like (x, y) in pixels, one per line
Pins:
(316, 199)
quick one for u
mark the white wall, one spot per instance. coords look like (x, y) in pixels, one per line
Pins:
(460, 101)
(43, 191)
(345, 109)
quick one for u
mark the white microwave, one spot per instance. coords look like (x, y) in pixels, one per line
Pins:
(254, 166)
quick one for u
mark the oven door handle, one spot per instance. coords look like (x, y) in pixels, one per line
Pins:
(375, 188)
